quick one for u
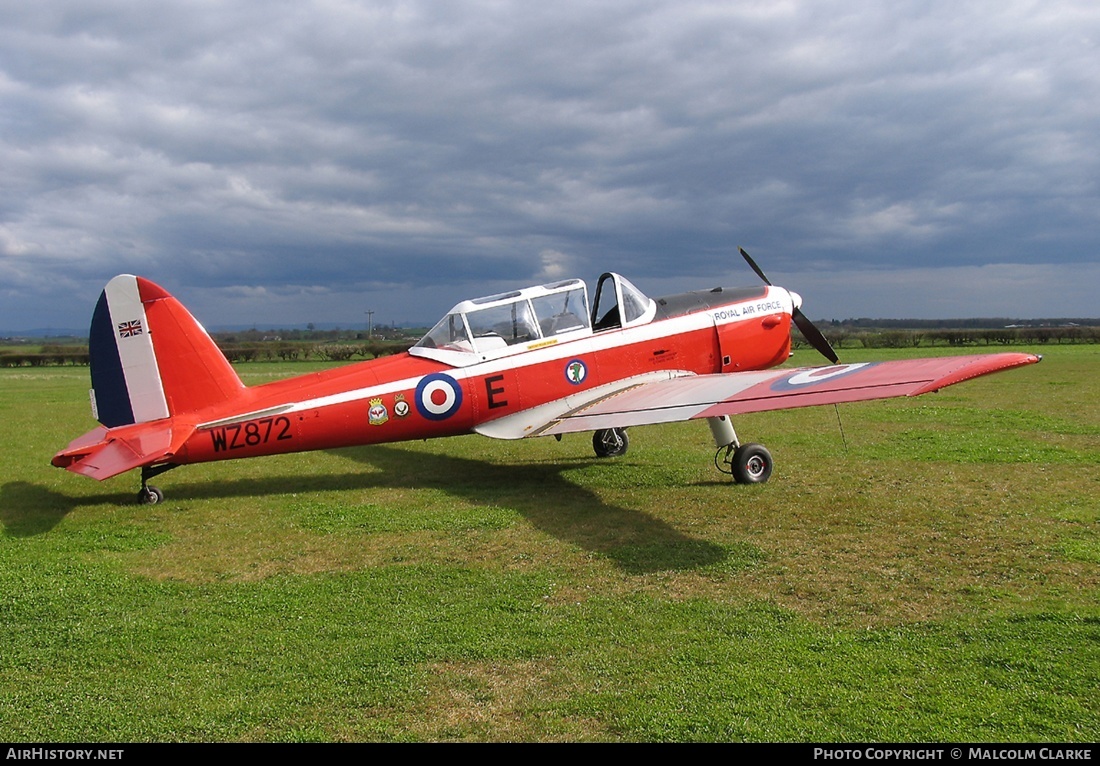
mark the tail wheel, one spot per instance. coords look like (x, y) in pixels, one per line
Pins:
(610, 442)
(752, 464)
(149, 495)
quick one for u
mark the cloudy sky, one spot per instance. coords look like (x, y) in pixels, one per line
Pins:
(288, 161)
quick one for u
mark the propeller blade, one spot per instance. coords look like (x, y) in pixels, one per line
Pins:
(810, 332)
(814, 336)
(757, 269)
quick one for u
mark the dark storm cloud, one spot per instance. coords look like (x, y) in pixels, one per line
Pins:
(292, 161)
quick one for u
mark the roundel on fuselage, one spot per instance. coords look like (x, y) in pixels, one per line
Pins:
(438, 396)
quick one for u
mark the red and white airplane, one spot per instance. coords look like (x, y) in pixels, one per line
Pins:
(533, 362)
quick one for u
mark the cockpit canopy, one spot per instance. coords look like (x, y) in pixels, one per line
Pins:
(521, 320)
(507, 322)
(620, 304)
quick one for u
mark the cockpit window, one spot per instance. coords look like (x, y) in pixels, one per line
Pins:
(635, 302)
(449, 333)
(561, 312)
(620, 304)
(499, 326)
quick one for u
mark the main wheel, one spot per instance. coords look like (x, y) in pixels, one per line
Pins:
(752, 464)
(610, 442)
(148, 495)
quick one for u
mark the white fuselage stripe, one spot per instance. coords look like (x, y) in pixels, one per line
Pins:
(602, 341)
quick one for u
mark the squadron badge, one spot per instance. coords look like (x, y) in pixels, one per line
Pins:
(377, 414)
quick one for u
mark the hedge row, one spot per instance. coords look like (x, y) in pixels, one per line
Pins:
(1007, 336)
(288, 351)
(234, 352)
(43, 359)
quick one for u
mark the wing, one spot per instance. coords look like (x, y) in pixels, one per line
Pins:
(106, 452)
(671, 399)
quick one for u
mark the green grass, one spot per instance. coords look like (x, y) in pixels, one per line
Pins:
(924, 570)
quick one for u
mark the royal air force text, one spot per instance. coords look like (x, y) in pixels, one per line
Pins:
(748, 310)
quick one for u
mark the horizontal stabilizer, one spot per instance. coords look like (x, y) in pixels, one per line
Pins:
(103, 453)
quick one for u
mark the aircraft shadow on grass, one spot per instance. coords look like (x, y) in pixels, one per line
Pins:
(28, 509)
(637, 542)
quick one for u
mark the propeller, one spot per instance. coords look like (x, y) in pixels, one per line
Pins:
(805, 326)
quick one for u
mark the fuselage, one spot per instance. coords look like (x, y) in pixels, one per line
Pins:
(415, 395)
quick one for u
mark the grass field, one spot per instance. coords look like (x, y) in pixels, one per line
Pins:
(916, 570)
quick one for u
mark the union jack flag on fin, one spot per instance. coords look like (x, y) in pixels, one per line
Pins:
(129, 329)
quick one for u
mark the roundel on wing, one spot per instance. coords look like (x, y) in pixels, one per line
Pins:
(816, 375)
(438, 396)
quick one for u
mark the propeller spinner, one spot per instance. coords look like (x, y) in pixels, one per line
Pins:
(801, 321)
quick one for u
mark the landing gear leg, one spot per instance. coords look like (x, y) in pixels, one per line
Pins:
(747, 463)
(148, 494)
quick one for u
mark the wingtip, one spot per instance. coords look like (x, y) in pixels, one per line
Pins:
(977, 366)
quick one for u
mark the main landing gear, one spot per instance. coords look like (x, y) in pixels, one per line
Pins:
(746, 463)
(610, 442)
(148, 494)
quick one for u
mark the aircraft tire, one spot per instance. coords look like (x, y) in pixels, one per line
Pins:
(150, 495)
(610, 442)
(752, 464)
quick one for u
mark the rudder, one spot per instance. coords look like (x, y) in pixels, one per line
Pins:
(150, 359)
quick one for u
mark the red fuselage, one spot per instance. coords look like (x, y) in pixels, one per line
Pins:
(408, 396)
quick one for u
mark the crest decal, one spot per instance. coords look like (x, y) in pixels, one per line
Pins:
(576, 371)
(377, 414)
(400, 406)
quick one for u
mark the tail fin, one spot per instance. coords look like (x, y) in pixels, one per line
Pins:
(150, 358)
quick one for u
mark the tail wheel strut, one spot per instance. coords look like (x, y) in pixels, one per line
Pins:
(148, 494)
